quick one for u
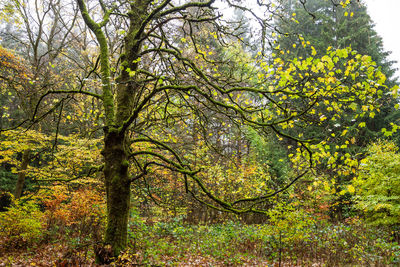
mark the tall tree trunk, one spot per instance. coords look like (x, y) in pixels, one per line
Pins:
(117, 109)
(115, 154)
(22, 173)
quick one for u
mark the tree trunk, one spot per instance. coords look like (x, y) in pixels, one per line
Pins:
(117, 184)
(22, 173)
(118, 110)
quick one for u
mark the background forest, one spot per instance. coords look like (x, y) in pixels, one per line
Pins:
(205, 133)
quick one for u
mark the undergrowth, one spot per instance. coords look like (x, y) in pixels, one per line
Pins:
(233, 243)
(65, 229)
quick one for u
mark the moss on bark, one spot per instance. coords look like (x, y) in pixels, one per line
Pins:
(117, 184)
(117, 109)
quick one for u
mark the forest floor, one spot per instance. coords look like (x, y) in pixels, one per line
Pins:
(229, 244)
(57, 255)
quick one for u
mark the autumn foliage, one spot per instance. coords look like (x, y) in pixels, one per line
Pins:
(168, 133)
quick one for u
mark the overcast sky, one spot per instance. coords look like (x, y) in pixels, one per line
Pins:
(386, 15)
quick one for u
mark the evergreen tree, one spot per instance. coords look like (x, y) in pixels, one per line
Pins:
(325, 25)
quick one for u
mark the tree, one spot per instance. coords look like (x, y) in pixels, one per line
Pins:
(377, 186)
(185, 77)
(46, 35)
(168, 77)
(337, 27)
(329, 27)
(73, 161)
(332, 25)
(15, 77)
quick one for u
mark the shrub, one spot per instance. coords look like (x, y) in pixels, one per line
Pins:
(21, 225)
(75, 219)
(378, 185)
(81, 211)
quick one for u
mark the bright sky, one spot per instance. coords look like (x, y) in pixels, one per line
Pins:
(386, 15)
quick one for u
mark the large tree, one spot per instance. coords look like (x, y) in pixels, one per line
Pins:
(181, 66)
(169, 75)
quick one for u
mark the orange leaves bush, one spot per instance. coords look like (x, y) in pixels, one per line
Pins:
(81, 211)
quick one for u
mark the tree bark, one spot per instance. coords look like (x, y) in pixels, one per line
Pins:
(22, 173)
(116, 156)
(118, 192)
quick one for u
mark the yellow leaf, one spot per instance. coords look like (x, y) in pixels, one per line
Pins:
(320, 65)
(313, 52)
(351, 189)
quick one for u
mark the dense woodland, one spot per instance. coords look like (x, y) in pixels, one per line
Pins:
(197, 132)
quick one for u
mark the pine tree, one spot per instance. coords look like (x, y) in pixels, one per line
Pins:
(325, 25)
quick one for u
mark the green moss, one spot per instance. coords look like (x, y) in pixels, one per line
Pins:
(125, 163)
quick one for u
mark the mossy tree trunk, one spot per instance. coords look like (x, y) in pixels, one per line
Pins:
(117, 184)
(118, 117)
(116, 142)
